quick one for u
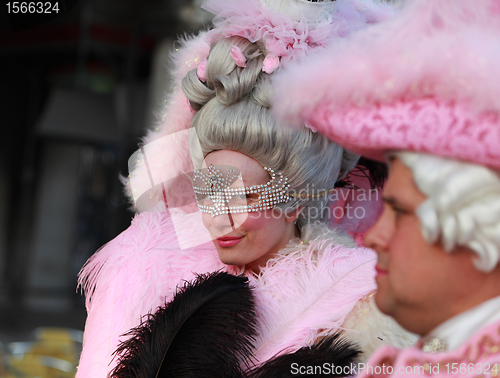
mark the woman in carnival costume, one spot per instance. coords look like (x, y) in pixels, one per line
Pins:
(425, 98)
(262, 191)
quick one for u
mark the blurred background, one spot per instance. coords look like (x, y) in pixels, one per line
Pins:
(76, 94)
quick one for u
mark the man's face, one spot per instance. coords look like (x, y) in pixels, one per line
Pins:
(419, 284)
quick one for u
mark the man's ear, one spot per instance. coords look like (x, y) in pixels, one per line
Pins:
(292, 216)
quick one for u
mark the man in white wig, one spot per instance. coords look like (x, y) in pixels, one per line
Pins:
(422, 92)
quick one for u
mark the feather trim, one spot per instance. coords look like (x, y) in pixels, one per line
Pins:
(313, 233)
(131, 276)
(206, 331)
(370, 329)
(306, 295)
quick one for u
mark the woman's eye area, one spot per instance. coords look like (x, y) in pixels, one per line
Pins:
(252, 197)
(245, 197)
(236, 199)
(240, 197)
(204, 200)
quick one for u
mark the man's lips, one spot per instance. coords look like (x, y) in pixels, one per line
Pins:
(228, 241)
(380, 272)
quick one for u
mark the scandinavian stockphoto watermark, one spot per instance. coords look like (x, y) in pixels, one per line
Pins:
(323, 369)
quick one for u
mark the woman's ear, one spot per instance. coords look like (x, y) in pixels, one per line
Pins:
(292, 216)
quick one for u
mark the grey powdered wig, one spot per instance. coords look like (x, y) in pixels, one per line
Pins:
(233, 113)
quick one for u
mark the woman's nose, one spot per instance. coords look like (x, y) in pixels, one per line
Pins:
(223, 221)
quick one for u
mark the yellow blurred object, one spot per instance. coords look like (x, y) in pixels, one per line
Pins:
(55, 342)
(40, 366)
(54, 354)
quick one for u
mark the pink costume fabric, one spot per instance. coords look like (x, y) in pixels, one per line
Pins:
(315, 289)
(478, 357)
(424, 81)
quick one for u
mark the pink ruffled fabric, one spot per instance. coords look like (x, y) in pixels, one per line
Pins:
(284, 37)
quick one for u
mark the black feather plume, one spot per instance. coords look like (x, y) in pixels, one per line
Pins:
(207, 330)
(374, 171)
(377, 172)
(333, 356)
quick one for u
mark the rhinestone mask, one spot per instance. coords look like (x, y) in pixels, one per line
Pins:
(215, 195)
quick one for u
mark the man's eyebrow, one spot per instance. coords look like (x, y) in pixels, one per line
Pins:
(395, 203)
(390, 200)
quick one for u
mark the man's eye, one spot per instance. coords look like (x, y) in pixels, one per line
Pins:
(399, 212)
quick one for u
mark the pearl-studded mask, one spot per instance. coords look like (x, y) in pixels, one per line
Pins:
(219, 190)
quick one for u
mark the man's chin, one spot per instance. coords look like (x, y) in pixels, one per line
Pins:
(383, 303)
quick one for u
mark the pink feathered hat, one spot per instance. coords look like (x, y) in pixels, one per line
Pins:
(427, 80)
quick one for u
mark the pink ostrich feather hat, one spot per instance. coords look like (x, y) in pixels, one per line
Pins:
(427, 80)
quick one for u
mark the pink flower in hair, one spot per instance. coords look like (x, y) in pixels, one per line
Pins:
(312, 128)
(201, 72)
(270, 63)
(238, 57)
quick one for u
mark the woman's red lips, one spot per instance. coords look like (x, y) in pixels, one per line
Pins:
(380, 272)
(228, 241)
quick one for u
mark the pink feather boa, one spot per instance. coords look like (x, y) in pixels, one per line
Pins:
(306, 295)
(300, 296)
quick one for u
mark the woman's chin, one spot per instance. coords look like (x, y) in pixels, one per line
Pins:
(229, 258)
(234, 262)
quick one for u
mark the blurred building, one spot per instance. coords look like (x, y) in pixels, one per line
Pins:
(76, 94)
